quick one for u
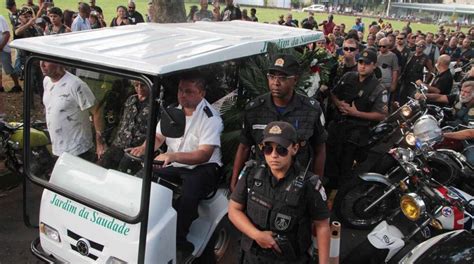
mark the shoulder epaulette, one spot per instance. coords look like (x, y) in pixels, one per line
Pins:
(208, 111)
(255, 103)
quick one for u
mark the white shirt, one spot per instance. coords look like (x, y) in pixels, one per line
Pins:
(80, 24)
(200, 130)
(4, 28)
(67, 102)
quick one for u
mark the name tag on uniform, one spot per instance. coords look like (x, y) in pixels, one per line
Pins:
(257, 126)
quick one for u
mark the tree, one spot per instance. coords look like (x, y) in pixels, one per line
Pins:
(165, 11)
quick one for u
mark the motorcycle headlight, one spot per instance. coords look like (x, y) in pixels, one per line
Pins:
(412, 206)
(410, 139)
(406, 111)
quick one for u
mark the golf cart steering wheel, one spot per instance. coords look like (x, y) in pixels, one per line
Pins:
(141, 158)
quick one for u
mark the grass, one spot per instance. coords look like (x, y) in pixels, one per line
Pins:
(264, 14)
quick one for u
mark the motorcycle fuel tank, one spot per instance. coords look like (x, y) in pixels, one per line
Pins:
(37, 137)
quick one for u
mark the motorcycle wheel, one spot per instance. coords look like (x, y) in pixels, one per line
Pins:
(217, 248)
(354, 197)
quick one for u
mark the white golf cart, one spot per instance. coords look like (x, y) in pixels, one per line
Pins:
(90, 214)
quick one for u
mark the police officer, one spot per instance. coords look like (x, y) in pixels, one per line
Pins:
(360, 99)
(283, 103)
(276, 204)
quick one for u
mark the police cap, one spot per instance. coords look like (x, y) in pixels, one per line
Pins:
(279, 132)
(286, 64)
(368, 56)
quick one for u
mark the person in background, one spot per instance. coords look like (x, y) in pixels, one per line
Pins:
(411, 42)
(273, 218)
(371, 42)
(192, 11)
(95, 7)
(387, 61)
(431, 50)
(231, 12)
(359, 26)
(245, 15)
(94, 20)
(467, 53)
(253, 15)
(328, 26)
(203, 14)
(56, 26)
(331, 46)
(68, 18)
(81, 22)
(281, 20)
(122, 17)
(289, 21)
(453, 50)
(443, 81)
(13, 15)
(6, 58)
(133, 15)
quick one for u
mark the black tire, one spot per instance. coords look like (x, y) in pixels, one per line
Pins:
(217, 248)
(355, 196)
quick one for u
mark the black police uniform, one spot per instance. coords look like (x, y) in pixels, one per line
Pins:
(348, 134)
(287, 207)
(413, 71)
(302, 112)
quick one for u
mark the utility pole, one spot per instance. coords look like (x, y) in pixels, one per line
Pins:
(388, 8)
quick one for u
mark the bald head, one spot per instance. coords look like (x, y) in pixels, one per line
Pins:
(444, 60)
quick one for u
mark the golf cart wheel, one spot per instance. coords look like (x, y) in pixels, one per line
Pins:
(218, 246)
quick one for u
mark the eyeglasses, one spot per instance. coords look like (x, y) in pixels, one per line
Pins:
(280, 78)
(351, 49)
(420, 46)
(280, 150)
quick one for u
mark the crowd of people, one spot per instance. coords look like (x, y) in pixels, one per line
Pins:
(371, 78)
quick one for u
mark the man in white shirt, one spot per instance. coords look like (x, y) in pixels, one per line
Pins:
(6, 55)
(81, 22)
(68, 102)
(194, 159)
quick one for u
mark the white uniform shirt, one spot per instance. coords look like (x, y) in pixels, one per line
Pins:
(4, 28)
(67, 102)
(200, 130)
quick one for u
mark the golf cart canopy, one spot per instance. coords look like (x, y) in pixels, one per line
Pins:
(157, 49)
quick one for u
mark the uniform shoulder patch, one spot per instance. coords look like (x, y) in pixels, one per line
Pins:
(255, 103)
(313, 103)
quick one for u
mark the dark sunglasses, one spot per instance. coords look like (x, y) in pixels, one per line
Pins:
(351, 49)
(400, 38)
(280, 150)
(382, 46)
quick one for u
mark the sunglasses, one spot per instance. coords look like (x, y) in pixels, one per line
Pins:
(382, 46)
(280, 150)
(400, 38)
(280, 78)
(351, 49)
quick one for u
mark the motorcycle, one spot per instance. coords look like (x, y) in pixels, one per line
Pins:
(425, 207)
(367, 200)
(11, 147)
(455, 247)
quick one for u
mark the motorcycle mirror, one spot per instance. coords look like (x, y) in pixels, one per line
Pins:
(173, 122)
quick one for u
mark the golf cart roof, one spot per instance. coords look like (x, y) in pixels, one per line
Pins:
(157, 49)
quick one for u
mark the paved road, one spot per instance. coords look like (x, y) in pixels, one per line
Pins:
(15, 237)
